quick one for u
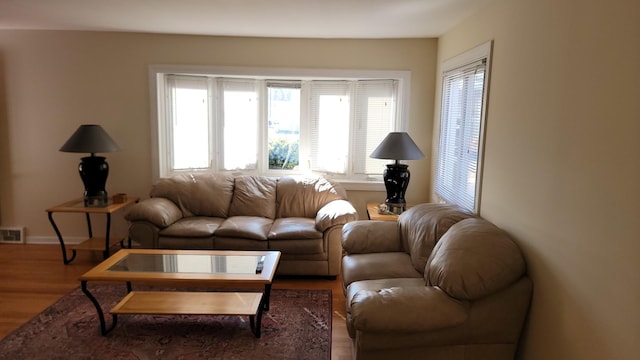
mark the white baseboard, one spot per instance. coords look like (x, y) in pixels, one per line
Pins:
(68, 240)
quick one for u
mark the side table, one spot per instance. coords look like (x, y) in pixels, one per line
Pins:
(92, 243)
(374, 214)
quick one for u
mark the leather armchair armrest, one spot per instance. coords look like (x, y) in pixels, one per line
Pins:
(371, 236)
(408, 309)
(336, 212)
(160, 212)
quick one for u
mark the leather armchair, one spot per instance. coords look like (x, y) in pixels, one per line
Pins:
(438, 284)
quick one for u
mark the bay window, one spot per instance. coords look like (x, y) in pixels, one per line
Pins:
(229, 121)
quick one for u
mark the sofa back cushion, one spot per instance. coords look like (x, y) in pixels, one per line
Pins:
(474, 259)
(423, 225)
(303, 197)
(254, 196)
(201, 194)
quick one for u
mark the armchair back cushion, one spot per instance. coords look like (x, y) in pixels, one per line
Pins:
(423, 225)
(304, 197)
(474, 259)
(197, 194)
(254, 196)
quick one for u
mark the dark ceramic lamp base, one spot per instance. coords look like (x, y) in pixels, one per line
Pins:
(94, 171)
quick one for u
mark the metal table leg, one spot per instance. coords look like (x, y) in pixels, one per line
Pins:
(61, 240)
(255, 322)
(104, 330)
(105, 253)
(267, 296)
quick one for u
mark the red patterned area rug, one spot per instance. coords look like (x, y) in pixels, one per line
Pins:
(297, 326)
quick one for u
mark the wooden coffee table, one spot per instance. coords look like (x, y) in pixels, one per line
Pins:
(250, 271)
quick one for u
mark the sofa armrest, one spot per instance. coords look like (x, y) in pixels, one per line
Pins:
(160, 212)
(371, 236)
(336, 212)
(406, 309)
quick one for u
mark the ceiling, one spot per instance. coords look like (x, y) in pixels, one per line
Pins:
(362, 19)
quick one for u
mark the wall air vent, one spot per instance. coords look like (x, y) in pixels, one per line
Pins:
(13, 235)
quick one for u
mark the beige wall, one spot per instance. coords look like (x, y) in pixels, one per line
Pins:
(562, 164)
(51, 82)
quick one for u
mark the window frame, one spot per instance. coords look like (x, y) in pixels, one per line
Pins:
(479, 53)
(156, 73)
(265, 108)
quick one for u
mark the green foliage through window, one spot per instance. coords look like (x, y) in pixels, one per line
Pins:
(283, 154)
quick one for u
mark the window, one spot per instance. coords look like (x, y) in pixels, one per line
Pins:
(239, 110)
(188, 108)
(283, 119)
(226, 120)
(462, 114)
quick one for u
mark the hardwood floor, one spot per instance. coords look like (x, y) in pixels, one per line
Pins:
(34, 277)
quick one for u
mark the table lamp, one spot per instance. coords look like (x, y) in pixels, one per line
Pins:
(93, 169)
(397, 146)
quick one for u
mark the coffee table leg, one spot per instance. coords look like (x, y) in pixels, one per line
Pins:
(256, 321)
(103, 327)
(266, 296)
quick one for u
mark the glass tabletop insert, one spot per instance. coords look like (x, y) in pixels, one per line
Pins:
(190, 263)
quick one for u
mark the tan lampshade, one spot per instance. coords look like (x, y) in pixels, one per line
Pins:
(397, 146)
(90, 139)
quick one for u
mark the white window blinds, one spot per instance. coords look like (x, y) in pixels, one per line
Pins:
(460, 129)
(240, 124)
(188, 133)
(330, 109)
(375, 111)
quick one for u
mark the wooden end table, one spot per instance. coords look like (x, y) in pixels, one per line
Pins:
(374, 214)
(92, 243)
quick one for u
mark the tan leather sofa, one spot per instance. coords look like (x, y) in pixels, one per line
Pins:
(301, 217)
(437, 284)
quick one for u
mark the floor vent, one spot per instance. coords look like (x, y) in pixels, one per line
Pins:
(11, 235)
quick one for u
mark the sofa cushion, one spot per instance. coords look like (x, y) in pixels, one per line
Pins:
(195, 226)
(294, 229)
(247, 227)
(405, 308)
(374, 285)
(357, 267)
(296, 236)
(474, 259)
(254, 196)
(303, 197)
(379, 284)
(201, 194)
(423, 225)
